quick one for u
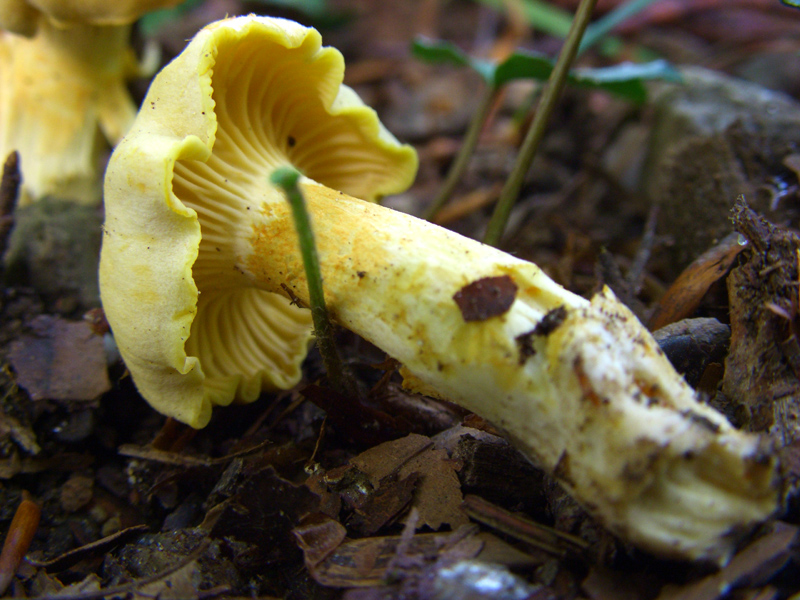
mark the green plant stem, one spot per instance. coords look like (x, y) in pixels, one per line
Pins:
(461, 160)
(287, 178)
(550, 94)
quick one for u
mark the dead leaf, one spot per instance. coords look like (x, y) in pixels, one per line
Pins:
(383, 506)
(438, 494)
(486, 297)
(76, 492)
(61, 360)
(318, 537)
(685, 294)
(94, 549)
(384, 459)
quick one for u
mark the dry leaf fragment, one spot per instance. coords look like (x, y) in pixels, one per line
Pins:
(486, 297)
(685, 294)
(61, 360)
(318, 537)
(438, 493)
(384, 505)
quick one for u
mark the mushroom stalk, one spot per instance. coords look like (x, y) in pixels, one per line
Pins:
(580, 387)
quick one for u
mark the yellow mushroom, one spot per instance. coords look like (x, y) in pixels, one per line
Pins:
(63, 71)
(198, 246)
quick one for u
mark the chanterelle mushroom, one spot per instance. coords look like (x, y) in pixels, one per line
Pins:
(196, 242)
(63, 71)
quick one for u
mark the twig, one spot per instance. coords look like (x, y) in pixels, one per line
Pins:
(547, 103)
(538, 535)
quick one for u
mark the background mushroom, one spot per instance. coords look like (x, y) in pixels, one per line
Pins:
(197, 244)
(63, 70)
(64, 66)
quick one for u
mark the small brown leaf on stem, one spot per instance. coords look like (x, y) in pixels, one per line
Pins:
(486, 297)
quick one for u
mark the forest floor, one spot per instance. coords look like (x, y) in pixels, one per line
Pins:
(280, 498)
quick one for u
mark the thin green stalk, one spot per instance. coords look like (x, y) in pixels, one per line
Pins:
(286, 178)
(461, 160)
(550, 94)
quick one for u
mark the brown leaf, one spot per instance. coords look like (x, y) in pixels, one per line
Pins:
(383, 460)
(76, 492)
(318, 537)
(438, 494)
(22, 435)
(62, 360)
(384, 505)
(685, 294)
(99, 548)
(486, 297)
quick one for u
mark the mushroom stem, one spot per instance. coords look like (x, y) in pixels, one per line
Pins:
(53, 111)
(580, 387)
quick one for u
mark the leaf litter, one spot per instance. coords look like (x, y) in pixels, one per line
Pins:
(268, 502)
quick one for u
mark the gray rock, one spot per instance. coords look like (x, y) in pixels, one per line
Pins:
(54, 248)
(716, 137)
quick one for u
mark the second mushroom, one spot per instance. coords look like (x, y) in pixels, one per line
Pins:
(198, 251)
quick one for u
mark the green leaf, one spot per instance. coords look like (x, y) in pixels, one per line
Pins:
(792, 3)
(625, 79)
(443, 52)
(523, 65)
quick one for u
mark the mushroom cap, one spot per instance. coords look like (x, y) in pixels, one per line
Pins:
(98, 12)
(247, 95)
